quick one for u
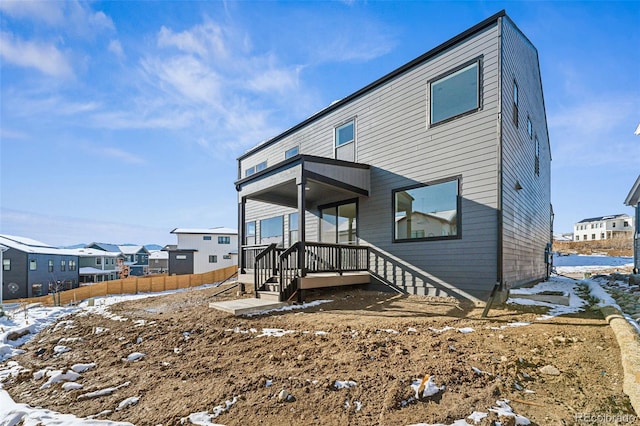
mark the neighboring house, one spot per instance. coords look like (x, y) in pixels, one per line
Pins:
(98, 265)
(633, 200)
(603, 227)
(136, 258)
(202, 250)
(31, 268)
(456, 140)
(158, 261)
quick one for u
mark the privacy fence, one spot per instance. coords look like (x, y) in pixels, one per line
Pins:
(132, 285)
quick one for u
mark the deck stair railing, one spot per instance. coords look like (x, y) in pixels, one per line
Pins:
(266, 267)
(274, 265)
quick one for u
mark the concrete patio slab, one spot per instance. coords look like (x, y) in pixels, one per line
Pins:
(246, 306)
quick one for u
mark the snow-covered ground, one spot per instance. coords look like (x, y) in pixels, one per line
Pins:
(24, 322)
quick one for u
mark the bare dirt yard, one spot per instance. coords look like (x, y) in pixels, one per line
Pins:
(349, 361)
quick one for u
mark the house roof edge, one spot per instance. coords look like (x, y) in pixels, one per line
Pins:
(382, 80)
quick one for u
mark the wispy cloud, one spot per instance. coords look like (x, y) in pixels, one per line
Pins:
(595, 125)
(65, 230)
(124, 156)
(72, 17)
(115, 47)
(43, 56)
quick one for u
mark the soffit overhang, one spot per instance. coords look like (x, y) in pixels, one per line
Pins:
(325, 179)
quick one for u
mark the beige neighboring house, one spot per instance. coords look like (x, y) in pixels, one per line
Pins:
(603, 227)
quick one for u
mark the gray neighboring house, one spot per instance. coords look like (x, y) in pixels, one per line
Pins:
(633, 200)
(97, 265)
(158, 261)
(433, 179)
(32, 268)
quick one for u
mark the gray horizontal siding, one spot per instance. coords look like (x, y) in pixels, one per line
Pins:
(526, 213)
(393, 136)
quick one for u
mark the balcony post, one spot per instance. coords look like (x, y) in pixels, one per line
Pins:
(241, 231)
(302, 183)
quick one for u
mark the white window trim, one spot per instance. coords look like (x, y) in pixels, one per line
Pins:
(353, 120)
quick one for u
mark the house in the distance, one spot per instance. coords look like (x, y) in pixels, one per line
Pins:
(158, 261)
(633, 200)
(603, 227)
(433, 179)
(98, 265)
(32, 268)
(136, 258)
(202, 250)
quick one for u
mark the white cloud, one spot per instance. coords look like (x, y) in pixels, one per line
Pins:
(45, 57)
(12, 134)
(204, 40)
(74, 17)
(115, 47)
(48, 12)
(65, 230)
(594, 132)
(186, 77)
(121, 155)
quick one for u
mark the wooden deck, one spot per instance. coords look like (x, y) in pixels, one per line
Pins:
(319, 280)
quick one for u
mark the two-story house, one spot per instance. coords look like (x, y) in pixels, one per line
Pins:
(98, 265)
(603, 227)
(633, 200)
(202, 250)
(433, 179)
(136, 259)
(32, 268)
(158, 261)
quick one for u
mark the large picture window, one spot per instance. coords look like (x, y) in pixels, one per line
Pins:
(430, 211)
(272, 231)
(455, 94)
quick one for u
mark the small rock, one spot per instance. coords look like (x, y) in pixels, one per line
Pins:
(301, 357)
(284, 396)
(550, 370)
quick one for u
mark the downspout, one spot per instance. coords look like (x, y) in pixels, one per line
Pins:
(499, 275)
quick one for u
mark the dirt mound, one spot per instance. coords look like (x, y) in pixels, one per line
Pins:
(352, 360)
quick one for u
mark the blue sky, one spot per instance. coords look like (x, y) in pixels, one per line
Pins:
(121, 121)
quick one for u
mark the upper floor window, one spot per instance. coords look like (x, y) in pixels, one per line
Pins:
(344, 141)
(63, 265)
(455, 93)
(529, 128)
(206, 237)
(625, 224)
(291, 152)
(429, 211)
(515, 103)
(224, 240)
(72, 265)
(213, 258)
(6, 264)
(98, 261)
(250, 171)
(33, 265)
(261, 166)
(50, 266)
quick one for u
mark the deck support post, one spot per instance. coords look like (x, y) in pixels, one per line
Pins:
(241, 231)
(302, 267)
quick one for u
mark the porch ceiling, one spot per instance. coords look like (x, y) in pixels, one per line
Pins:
(325, 179)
